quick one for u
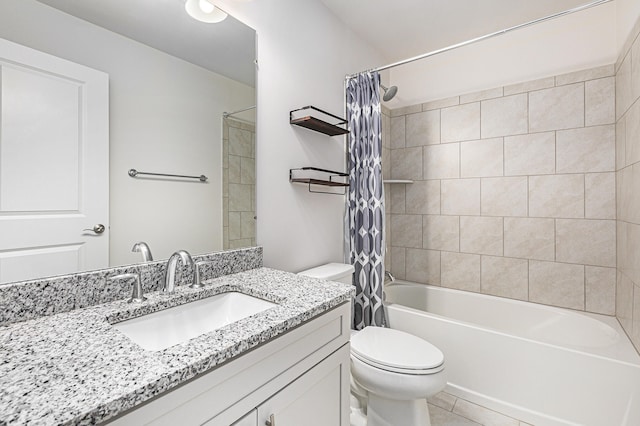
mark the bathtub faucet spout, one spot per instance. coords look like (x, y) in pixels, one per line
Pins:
(389, 275)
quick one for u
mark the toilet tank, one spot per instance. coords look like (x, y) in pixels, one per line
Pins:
(340, 272)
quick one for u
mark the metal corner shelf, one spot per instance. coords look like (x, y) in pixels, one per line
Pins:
(397, 181)
(314, 181)
(316, 124)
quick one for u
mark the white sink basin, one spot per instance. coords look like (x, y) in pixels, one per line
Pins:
(166, 328)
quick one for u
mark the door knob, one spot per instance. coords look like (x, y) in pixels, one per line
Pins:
(98, 229)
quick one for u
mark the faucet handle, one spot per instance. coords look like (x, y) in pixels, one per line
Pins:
(137, 294)
(197, 281)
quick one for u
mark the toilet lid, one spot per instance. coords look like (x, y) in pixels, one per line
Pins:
(395, 350)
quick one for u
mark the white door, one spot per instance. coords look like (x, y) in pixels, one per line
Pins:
(54, 165)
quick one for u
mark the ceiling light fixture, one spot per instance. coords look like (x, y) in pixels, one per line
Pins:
(204, 11)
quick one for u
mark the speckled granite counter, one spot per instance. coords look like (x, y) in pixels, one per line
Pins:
(75, 368)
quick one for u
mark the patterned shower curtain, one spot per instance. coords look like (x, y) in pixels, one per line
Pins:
(365, 204)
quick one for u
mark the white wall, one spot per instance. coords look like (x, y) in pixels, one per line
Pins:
(304, 53)
(165, 116)
(627, 14)
(582, 40)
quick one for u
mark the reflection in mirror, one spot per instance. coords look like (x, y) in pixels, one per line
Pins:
(239, 182)
(170, 81)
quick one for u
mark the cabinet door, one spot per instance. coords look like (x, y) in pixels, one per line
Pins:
(320, 397)
(250, 419)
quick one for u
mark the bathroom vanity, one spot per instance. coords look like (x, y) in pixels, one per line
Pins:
(286, 365)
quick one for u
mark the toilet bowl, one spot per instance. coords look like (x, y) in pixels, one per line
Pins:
(392, 372)
(398, 371)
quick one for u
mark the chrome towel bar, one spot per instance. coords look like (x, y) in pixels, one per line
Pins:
(135, 173)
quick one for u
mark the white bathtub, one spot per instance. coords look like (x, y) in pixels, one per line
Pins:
(542, 365)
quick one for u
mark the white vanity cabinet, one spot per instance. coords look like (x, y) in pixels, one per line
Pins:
(299, 378)
(310, 400)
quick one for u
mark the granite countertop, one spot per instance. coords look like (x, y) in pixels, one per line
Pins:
(76, 368)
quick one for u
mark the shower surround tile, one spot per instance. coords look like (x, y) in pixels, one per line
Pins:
(600, 196)
(600, 105)
(557, 108)
(422, 197)
(504, 196)
(587, 242)
(441, 232)
(591, 149)
(460, 197)
(398, 199)
(442, 103)
(461, 271)
(482, 235)
(600, 288)
(460, 123)
(506, 277)
(406, 230)
(556, 284)
(398, 132)
(441, 161)
(482, 158)
(549, 159)
(529, 238)
(423, 128)
(635, 70)
(627, 163)
(406, 163)
(398, 262)
(505, 116)
(585, 75)
(497, 92)
(632, 134)
(533, 154)
(529, 86)
(620, 144)
(624, 95)
(624, 301)
(423, 266)
(557, 196)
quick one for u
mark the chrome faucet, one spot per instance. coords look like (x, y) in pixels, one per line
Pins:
(143, 248)
(170, 272)
(389, 275)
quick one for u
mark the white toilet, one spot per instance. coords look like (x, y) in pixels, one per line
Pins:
(392, 372)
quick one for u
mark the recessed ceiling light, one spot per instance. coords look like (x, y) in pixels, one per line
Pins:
(204, 11)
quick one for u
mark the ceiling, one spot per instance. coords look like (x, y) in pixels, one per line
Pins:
(227, 48)
(401, 29)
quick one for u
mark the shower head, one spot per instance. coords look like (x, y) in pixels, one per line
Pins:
(389, 92)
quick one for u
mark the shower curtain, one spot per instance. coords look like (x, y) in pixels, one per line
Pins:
(364, 220)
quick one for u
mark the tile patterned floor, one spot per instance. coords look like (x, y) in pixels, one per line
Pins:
(448, 410)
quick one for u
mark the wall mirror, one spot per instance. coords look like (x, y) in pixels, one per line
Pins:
(181, 101)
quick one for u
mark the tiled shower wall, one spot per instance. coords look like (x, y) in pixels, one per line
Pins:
(513, 192)
(239, 184)
(628, 186)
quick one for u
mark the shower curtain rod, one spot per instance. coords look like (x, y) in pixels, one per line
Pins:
(227, 114)
(486, 36)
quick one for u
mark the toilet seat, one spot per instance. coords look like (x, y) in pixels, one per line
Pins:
(396, 351)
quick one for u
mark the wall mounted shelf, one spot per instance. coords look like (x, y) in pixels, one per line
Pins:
(318, 124)
(314, 176)
(395, 181)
